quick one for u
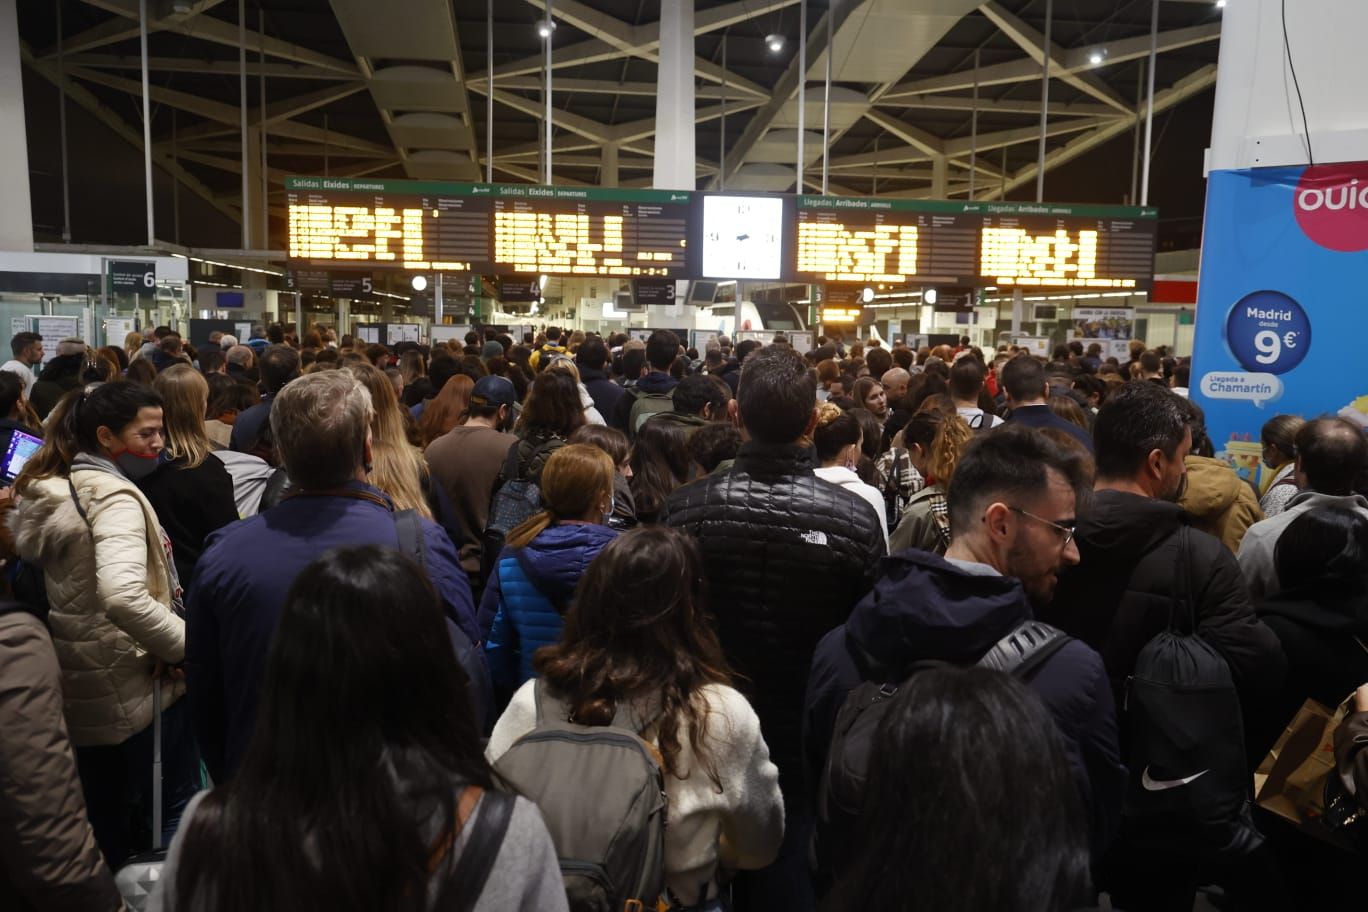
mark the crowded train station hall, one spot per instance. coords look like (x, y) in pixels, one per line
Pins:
(683, 456)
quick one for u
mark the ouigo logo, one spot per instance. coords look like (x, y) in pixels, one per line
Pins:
(1332, 206)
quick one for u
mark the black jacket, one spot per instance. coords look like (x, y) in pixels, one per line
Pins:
(731, 372)
(924, 607)
(602, 390)
(1122, 592)
(61, 376)
(1325, 639)
(786, 555)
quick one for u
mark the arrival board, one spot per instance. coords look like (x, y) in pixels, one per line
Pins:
(1007, 245)
(488, 228)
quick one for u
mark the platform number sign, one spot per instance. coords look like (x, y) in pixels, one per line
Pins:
(135, 278)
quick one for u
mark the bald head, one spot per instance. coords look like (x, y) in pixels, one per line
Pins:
(895, 383)
(240, 355)
(1332, 456)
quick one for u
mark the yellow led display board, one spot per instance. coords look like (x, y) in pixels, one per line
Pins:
(484, 228)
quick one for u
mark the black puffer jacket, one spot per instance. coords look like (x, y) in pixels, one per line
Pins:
(786, 555)
(1122, 592)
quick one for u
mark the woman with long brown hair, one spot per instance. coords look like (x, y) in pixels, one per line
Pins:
(397, 467)
(639, 650)
(543, 558)
(550, 415)
(935, 438)
(446, 410)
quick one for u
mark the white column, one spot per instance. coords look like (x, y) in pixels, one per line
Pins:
(16, 215)
(940, 177)
(674, 140)
(609, 165)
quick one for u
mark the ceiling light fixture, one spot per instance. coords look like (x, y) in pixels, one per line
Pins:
(929, 296)
(419, 283)
(867, 295)
(1097, 56)
(546, 27)
(774, 42)
(1220, 4)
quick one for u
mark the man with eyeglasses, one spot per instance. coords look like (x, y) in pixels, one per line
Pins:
(1012, 505)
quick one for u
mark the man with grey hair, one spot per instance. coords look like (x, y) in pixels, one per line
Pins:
(321, 425)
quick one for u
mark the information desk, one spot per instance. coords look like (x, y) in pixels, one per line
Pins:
(488, 228)
(840, 239)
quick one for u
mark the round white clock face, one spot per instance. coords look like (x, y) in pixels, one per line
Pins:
(743, 237)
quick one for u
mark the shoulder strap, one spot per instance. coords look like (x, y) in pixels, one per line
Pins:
(1025, 649)
(510, 467)
(537, 686)
(409, 528)
(76, 499)
(481, 849)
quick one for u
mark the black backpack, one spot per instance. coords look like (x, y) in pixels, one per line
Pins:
(840, 795)
(1189, 779)
(517, 500)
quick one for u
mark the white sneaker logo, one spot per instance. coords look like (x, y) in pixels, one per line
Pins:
(1160, 785)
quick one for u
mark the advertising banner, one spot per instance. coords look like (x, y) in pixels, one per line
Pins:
(1280, 302)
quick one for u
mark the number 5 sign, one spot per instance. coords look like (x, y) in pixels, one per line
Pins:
(132, 277)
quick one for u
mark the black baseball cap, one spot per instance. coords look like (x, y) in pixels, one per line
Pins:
(493, 390)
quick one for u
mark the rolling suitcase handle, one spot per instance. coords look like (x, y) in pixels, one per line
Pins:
(157, 758)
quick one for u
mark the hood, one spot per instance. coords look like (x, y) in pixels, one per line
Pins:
(924, 607)
(46, 525)
(586, 400)
(1126, 525)
(1212, 487)
(556, 559)
(656, 382)
(62, 367)
(1322, 608)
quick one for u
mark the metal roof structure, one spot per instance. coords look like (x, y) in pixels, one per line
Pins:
(929, 97)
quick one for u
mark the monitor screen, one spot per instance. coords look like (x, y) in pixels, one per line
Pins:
(20, 450)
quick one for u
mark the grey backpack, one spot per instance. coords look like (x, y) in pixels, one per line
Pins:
(601, 791)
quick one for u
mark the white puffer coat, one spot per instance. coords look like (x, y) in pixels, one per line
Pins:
(109, 588)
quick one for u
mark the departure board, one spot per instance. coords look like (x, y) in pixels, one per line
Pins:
(488, 228)
(522, 229)
(982, 244)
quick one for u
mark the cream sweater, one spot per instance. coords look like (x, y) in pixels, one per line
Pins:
(739, 826)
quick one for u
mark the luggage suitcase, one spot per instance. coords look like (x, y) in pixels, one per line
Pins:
(139, 875)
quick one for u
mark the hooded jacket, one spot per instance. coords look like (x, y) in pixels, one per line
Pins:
(1219, 501)
(108, 581)
(61, 375)
(524, 605)
(1259, 548)
(1124, 590)
(924, 607)
(787, 556)
(654, 383)
(48, 857)
(1324, 634)
(604, 391)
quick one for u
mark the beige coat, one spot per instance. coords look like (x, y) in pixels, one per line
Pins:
(109, 588)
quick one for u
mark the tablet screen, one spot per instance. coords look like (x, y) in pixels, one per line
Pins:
(21, 448)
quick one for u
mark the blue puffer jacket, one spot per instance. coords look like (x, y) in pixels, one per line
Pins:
(523, 606)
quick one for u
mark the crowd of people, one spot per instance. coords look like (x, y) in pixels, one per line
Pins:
(584, 622)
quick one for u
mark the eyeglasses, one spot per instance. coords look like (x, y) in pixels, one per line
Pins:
(1066, 531)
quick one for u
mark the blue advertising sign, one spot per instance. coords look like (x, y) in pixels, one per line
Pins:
(1281, 302)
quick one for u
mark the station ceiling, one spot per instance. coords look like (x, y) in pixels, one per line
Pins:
(400, 88)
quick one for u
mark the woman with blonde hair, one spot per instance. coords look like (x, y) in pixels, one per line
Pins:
(935, 438)
(132, 344)
(446, 410)
(190, 490)
(397, 466)
(534, 579)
